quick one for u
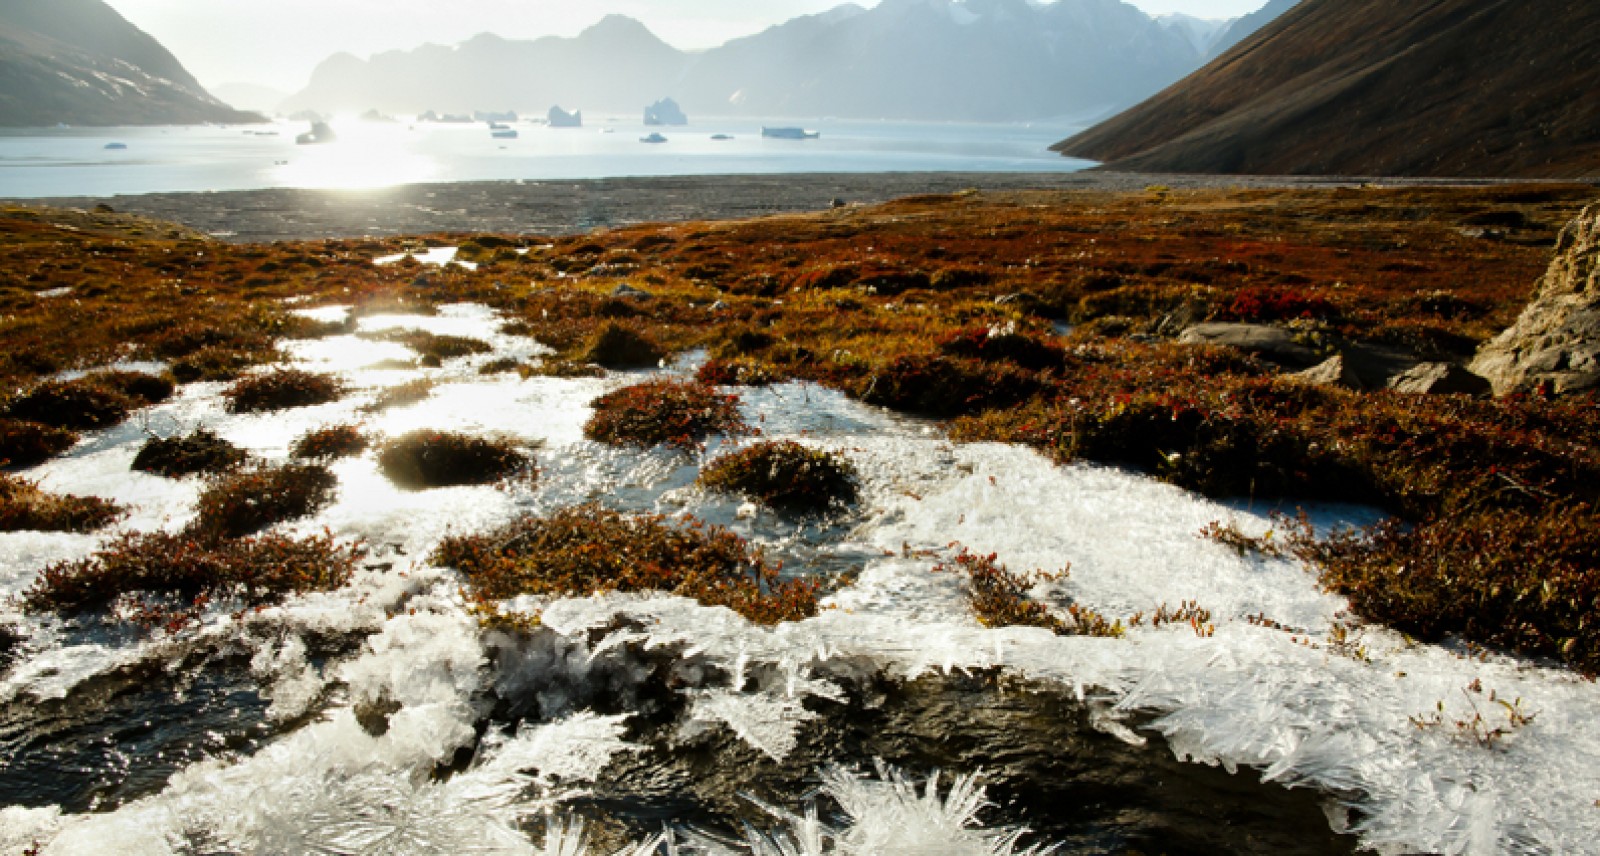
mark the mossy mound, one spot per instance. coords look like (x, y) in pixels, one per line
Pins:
(433, 347)
(189, 570)
(281, 389)
(618, 346)
(26, 508)
(402, 395)
(79, 405)
(248, 501)
(587, 548)
(334, 441)
(429, 459)
(23, 444)
(680, 414)
(784, 475)
(735, 372)
(200, 452)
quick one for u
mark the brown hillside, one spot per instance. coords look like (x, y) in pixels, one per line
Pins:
(1381, 87)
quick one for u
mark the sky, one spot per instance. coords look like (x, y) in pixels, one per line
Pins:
(278, 42)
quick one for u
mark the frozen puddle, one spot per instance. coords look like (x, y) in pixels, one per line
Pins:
(381, 719)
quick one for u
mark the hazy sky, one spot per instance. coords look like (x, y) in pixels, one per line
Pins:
(278, 42)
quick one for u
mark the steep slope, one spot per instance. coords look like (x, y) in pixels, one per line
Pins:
(1243, 28)
(79, 62)
(905, 59)
(1381, 87)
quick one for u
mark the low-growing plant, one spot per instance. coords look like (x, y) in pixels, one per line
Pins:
(281, 389)
(26, 508)
(559, 368)
(502, 365)
(1470, 573)
(218, 363)
(585, 549)
(23, 443)
(190, 570)
(250, 500)
(402, 395)
(680, 414)
(79, 405)
(943, 387)
(334, 441)
(1002, 345)
(735, 372)
(619, 346)
(784, 475)
(199, 452)
(141, 387)
(1000, 598)
(435, 347)
(429, 459)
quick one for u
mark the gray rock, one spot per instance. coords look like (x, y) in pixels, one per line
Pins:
(1334, 371)
(628, 292)
(1555, 343)
(1377, 365)
(1273, 343)
(1440, 379)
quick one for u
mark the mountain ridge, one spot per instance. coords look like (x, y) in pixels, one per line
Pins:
(79, 62)
(978, 60)
(1464, 88)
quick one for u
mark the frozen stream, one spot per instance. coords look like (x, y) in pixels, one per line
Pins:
(379, 718)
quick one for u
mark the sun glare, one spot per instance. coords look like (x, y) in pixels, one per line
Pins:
(362, 158)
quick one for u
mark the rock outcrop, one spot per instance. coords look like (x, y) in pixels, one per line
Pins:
(78, 62)
(1555, 344)
(1439, 379)
(1273, 343)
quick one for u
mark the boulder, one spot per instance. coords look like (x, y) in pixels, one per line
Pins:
(1273, 343)
(1440, 379)
(1334, 371)
(1555, 344)
(628, 292)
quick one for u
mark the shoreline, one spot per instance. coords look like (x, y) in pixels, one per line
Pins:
(565, 207)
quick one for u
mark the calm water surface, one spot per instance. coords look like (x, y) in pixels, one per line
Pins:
(76, 161)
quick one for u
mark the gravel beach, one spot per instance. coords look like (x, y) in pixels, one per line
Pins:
(566, 207)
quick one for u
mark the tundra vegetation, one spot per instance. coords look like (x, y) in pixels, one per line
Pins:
(1047, 319)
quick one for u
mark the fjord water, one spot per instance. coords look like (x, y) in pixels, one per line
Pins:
(380, 719)
(39, 163)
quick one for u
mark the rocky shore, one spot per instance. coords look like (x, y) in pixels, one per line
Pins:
(567, 207)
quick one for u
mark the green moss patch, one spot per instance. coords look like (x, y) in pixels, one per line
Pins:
(200, 452)
(784, 475)
(26, 508)
(429, 459)
(587, 548)
(281, 389)
(679, 414)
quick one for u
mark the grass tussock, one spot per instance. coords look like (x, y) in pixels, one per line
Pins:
(735, 372)
(559, 368)
(785, 475)
(26, 508)
(78, 405)
(281, 389)
(402, 395)
(430, 459)
(334, 441)
(435, 348)
(1000, 598)
(587, 549)
(23, 443)
(619, 346)
(250, 500)
(679, 414)
(185, 572)
(199, 452)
